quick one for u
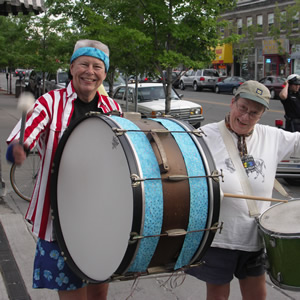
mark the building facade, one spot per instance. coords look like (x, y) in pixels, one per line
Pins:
(270, 38)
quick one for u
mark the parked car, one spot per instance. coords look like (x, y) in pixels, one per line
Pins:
(56, 80)
(144, 78)
(35, 83)
(175, 78)
(289, 168)
(204, 78)
(20, 72)
(117, 82)
(229, 84)
(151, 103)
(275, 84)
(26, 78)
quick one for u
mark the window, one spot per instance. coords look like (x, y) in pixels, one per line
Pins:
(189, 73)
(283, 20)
(249, 21)
(239, 24)
(269, 80)
(270, 21)
(211, 73)
(120, 94)
(296, 21)
(259, 21)
(229, 27)
(222, 32)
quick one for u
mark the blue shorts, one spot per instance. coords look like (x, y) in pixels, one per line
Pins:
(220, 265)
(50, 270)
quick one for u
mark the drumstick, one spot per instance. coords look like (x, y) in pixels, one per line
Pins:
(26, 101)
(253, 197)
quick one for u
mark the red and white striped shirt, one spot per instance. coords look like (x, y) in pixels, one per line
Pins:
(44, 128)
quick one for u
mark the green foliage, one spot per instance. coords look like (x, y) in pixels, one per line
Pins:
(150, 36)
(286, 23)
(143, 36)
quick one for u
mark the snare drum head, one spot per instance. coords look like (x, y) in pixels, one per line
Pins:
(282, 218)
(93, 199)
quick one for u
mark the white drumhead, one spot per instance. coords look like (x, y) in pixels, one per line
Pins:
(282, 218)
(94, 198)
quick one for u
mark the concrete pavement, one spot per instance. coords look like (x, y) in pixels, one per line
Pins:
(21, 243)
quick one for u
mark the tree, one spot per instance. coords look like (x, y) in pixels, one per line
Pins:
(284, 25)
(153, 35)
(51, 41)
(12, 40)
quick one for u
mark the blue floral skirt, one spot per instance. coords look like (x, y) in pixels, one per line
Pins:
(50, 270)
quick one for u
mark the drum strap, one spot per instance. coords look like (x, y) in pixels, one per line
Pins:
(236, 160)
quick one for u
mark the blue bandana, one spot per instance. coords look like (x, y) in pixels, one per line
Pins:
(94, 52)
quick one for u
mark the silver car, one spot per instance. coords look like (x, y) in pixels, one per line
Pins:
(151, 103)
(289, 168)
(203, 78)
(56, 80)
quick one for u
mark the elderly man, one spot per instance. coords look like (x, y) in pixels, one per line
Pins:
(51, 115)
(290, 99)
(248, 154)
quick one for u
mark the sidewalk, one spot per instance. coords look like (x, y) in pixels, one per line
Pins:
(22, 245)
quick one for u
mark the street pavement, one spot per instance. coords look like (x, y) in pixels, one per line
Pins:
(17, 248)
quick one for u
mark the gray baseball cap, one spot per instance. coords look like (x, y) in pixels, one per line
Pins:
(255, 91)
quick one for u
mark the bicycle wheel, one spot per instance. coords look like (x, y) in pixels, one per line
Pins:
(23, 177)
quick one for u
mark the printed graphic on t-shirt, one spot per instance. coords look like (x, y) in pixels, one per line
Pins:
(254, 167)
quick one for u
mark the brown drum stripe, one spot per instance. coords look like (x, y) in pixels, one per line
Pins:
(176, 197)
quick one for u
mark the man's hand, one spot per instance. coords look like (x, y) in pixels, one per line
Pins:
(19, 154)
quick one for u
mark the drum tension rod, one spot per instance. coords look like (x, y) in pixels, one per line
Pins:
(136, 180)
(97, 113)
(174, 232)
(120, 131)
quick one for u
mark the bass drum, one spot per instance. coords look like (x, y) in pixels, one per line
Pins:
(280, 225)
(133, 198)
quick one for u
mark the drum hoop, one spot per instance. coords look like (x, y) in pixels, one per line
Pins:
(137, 192)
(213, 190)
(276, 234)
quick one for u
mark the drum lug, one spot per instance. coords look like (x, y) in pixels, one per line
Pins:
(93, 113)
(216, 227)
(279, 277)
(215, 175)
(272, 242)
(118, 131)
(134, 236)
(265, 261)
(135, 180)
(198, 132)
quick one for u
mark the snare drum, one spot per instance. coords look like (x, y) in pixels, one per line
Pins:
(280, 225)
(133, 198)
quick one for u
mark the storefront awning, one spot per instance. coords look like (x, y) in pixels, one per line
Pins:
(223, 54)
(24, 6)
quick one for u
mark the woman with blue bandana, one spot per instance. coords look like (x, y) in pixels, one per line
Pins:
(51, 115)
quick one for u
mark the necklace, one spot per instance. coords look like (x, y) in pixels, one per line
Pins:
(247, 160)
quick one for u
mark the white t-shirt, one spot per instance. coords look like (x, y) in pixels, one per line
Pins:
(268, 146)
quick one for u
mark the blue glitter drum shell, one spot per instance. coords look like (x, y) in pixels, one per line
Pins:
(153, 195)
(153, 198)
